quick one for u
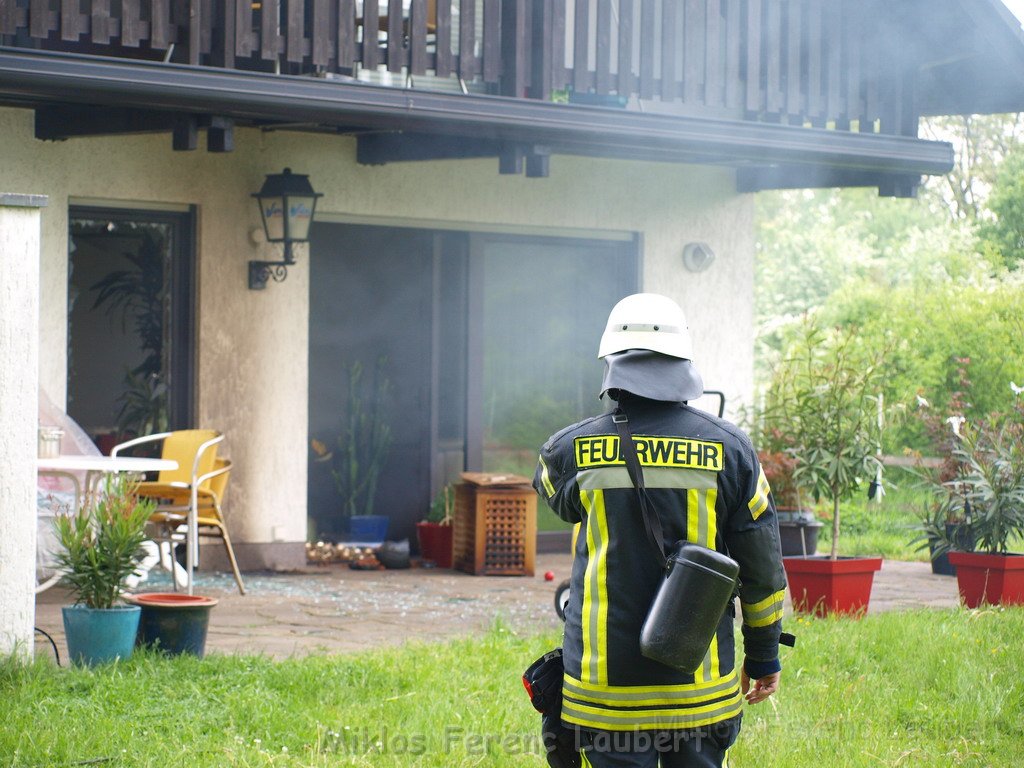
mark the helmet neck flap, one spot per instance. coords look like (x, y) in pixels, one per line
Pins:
(652, 375)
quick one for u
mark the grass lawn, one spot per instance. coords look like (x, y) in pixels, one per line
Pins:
(924, 688)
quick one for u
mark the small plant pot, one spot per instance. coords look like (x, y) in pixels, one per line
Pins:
(368, 529)
(435, 543)
(173, 623)
(940, 565)
(822, 586)
(993, 579)
(98, 635)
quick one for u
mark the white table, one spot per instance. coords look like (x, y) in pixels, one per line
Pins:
(95, 467)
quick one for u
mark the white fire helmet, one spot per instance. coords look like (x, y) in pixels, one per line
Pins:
(647, 321)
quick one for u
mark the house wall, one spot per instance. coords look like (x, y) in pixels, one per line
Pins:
(252, 345)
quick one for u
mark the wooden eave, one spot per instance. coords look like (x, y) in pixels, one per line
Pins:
(35, 78)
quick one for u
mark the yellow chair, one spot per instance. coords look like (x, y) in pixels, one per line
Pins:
(177, 491)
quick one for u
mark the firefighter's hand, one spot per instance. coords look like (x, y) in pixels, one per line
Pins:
(763, 688)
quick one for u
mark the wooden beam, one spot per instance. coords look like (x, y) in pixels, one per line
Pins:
(759, 179)
(56, 123)
(383, 148)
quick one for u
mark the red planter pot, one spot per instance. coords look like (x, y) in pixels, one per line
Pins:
(435, 543)
(822, 586)
(993, 579)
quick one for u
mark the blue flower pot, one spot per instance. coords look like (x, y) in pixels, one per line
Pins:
(174, 623)
(99, 635)
(368, 529)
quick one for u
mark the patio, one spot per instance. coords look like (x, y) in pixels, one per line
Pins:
(334, 609)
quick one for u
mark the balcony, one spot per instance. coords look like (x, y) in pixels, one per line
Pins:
(791, 62)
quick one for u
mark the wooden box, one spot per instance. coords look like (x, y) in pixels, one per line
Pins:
(494, 530)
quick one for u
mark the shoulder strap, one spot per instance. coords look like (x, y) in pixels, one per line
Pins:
(652, 523)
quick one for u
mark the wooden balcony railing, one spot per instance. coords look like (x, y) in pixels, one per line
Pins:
(794, 61)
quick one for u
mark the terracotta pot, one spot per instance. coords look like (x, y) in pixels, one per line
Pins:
(435, 543)
(822, 586)
(993, 579)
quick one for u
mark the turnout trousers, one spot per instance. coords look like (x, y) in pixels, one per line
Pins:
(705, 747)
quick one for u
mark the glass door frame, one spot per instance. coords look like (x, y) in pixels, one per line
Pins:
(474, 460)
(182, 357)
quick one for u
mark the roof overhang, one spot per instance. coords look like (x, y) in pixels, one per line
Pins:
(37, 78)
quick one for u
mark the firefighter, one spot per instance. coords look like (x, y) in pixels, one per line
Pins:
(708, 488)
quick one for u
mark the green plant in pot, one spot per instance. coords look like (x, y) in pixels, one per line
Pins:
(798, 527)
(100, 548)
(435, 533)
(941, 524)
(825, 391)
(940, 528)
(360, 452)
(988, 493)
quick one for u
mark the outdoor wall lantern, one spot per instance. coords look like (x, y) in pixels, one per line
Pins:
(697, 256)
(287, 203)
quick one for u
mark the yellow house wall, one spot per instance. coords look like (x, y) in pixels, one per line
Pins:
(252, 347)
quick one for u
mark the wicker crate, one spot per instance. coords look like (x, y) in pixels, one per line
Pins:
(494, 530)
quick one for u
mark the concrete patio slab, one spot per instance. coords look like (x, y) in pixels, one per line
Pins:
(335, 609)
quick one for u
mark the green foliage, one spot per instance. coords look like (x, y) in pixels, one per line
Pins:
(825, 393)
(980, 144)
(1005, 234)
(363, 443)
(932, 330)
(101, 543)
(143, 404)
(442, 506)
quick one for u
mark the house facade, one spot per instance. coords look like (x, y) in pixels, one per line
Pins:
(495, 175)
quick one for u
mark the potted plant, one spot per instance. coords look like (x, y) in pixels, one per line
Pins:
(798, 527)
(101, 545)
(825, 392)
(941, 524)
(989, 494)
(435, 533)
(362, 448)
(940, 529)
(173, 622)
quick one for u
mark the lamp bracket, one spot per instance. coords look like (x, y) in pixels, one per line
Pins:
(262, 271)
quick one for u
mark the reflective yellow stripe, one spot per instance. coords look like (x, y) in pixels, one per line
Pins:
(759, 503)
(615, 719)
(710, 500)
(588, 618)
(654, 477)
(771, 600)
(594, 661)
(601, 517)
(545, 478)
(764, 612)
(693, 516)
(766, 620)
(663, 695)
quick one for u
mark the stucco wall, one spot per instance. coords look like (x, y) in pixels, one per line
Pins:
(252, 346)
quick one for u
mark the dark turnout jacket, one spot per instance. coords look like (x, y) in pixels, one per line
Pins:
(705, 481)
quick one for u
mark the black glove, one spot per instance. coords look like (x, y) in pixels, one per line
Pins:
(560, 745)
(543, 682)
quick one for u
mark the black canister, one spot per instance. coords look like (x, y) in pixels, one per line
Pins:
(689, 605)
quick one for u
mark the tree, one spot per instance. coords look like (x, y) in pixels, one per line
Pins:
(980, 143)
(1004, 233)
